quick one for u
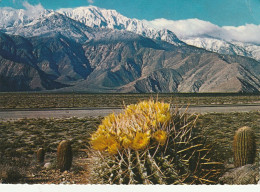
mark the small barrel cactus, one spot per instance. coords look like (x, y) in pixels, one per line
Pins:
(40, 155)
(64, 155)
(244, 146)
(148, 143)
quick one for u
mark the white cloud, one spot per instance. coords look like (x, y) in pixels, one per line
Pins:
(184, 28)
(245, 33)
(33, 10)
(198, 28)
(91, 1)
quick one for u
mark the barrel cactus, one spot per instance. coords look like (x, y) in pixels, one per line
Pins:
(64, 155)
(40, 155)
(244, 146)
(150, 143)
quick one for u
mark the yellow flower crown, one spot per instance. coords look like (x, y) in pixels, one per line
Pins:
(133, 128)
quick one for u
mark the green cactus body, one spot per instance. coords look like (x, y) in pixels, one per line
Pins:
(244, 146)
(150, 144)
(40, 155)
(64, 155)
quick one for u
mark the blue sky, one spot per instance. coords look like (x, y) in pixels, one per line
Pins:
(219, 12)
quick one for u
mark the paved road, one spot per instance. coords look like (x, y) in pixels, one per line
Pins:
(8, 114)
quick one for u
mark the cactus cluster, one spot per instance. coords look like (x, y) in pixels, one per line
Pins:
(244, 146)
(150, 143)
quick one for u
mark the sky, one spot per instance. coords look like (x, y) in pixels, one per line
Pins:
(237, 20)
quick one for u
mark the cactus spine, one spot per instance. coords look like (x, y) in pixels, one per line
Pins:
(40, 155)
(148, 143)
(244, 146)
(64, 155)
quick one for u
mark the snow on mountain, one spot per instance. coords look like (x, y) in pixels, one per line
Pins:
(225, 47)
(21, 22)
(103, 18)
(48, 23)
(10, 17)
(72, 22)
(111, 19)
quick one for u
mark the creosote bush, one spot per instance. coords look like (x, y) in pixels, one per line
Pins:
(150, 143)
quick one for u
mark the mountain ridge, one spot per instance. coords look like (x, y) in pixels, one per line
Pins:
(113, 20)
(95, 17)
(56, 52)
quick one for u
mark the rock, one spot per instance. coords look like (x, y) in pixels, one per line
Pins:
(65, 182)
(65, 172)
(47, 165)
(248, 174)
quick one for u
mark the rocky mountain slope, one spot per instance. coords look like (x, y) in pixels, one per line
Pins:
(119, 61)
(150, 66)
(96, 50)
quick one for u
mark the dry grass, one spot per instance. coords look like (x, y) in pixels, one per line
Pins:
(67, 100)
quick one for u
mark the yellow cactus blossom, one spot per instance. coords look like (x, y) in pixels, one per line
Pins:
(112, 145)
(107, 121)
(101, 127)
(133, 127)
(154, 123)
(126, 142)
(99, 143)
(160, 136)
(163, 118)
(140, 141)
(108, 143)
(130, 109)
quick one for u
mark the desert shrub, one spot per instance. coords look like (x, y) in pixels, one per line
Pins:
(11, 175)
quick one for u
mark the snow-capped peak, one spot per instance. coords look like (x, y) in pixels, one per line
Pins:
(20, 21)
(225, 47)
(35, 22)
(10, 17)
(95, 17)
(102, 18)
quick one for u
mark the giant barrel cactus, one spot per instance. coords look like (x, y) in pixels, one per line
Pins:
(148, 143)
(244, 146)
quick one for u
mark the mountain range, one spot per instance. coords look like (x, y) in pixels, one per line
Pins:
(97, 50)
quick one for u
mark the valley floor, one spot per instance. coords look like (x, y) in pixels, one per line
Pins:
(31, 121)
(20, 139)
